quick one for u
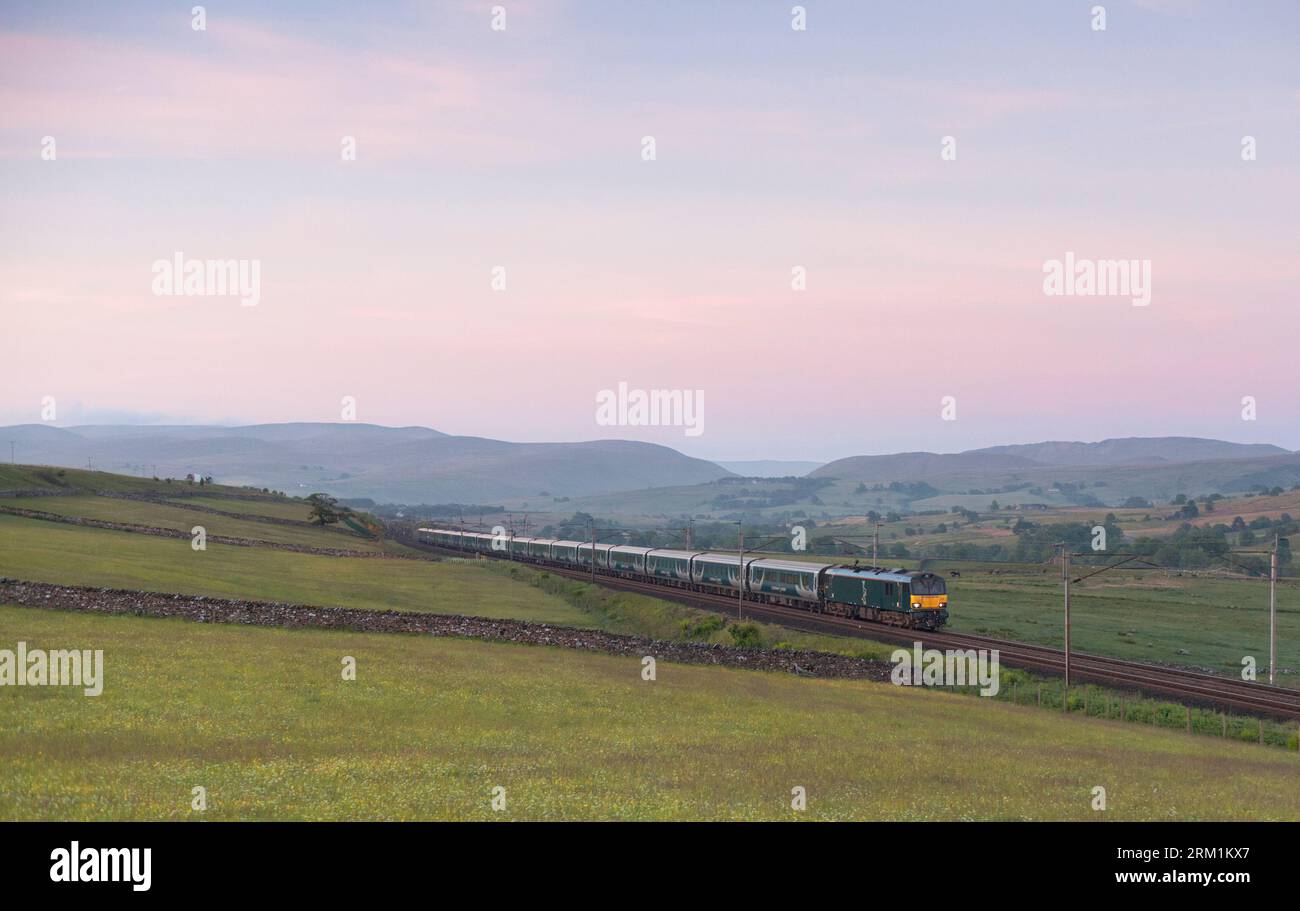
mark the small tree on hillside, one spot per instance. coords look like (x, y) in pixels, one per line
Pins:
(325, 510)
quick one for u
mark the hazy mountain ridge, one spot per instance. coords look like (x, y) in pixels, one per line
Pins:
(908, 466)
(396, 464)
(1130, 451)
(770, 468)
(1136, 450)
(422, 465)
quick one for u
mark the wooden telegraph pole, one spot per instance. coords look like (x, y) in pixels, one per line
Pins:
(1065, 576)
(740, 577)
(1272, 613)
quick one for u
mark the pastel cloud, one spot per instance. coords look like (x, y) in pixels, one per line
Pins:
(924, 276)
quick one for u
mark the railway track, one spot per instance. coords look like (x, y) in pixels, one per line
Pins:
(1186, 686)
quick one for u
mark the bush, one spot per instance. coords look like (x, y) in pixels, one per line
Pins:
(703, 628)
(746, 635)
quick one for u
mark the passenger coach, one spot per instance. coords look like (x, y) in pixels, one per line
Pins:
(898, 597)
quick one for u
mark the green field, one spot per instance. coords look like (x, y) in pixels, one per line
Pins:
(296, 510)
(70, 555)
(177, 518)
(38, 477)
(49, 552)
(1199, 622)
(1204, 623)
(262, 719)
(1143, 615)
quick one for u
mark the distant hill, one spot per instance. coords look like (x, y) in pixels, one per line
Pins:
(1108, 471)
(421, 465)
(387, 464)
(1135, 450)
(917, 466)
(771, 468)
(925, 466)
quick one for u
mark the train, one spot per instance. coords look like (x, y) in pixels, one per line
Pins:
(916, 600)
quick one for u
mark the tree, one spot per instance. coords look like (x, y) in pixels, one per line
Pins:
(325, 510)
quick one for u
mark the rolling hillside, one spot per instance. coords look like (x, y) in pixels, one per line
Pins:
(771, 468)
(1135, 450)
(1111, 470)
(394, 464)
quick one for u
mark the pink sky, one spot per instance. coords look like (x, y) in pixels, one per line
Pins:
(478, 149)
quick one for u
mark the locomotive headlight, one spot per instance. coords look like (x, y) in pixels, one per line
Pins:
(916, 604)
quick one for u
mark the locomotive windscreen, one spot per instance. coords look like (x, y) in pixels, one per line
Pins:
(928, 585)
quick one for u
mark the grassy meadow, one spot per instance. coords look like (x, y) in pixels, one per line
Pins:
(264, 721)
(1143, 616)
(178, 518)
(296, 510)
(1150, 615)
(49, 552)
(37, 477)
(40, 551)
(1168, 617)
